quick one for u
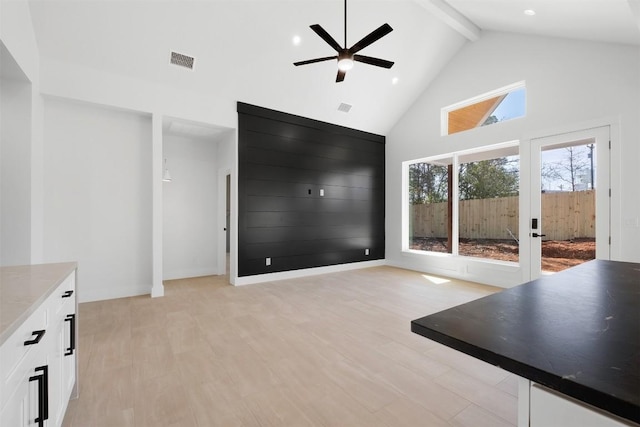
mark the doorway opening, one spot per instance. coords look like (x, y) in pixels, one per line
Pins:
(227, 224)
(570, 200)
(224, 221)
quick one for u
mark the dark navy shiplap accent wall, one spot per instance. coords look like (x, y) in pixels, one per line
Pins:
(284, 161)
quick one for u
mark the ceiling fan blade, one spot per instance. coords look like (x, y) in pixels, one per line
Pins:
(373, 36)
(326, 37)
(340, 76)
(373, 61)
(312, 61)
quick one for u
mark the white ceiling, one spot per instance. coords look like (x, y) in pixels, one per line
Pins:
(244, 50)
(614, 21)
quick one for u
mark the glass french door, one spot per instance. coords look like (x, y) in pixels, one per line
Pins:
(570, 200)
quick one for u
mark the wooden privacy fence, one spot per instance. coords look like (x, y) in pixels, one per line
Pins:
(565, 216)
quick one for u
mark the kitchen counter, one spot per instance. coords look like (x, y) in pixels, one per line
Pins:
(23, 288)
(576, 332)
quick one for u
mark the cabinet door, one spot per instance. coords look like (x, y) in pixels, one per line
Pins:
(63, 360)
(29, 401)
(18, 409)
(69, 338)
(69, 357)
(56, 377)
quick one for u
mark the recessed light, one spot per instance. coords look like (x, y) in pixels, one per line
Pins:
(296, 40)
(395, 80)
(529, 12)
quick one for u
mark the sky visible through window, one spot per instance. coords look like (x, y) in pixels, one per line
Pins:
(569, 168)
(512, 106)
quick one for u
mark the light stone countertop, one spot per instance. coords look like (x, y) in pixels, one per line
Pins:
(24, 288)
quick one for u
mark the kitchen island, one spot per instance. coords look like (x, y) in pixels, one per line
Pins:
(38, 335)
(573, 335)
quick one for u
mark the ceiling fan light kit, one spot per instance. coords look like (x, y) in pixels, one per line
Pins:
(345, 64)
(347, 56)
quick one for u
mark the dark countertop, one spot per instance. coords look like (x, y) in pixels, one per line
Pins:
(577, 332)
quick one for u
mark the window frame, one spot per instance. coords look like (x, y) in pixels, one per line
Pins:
(455, 159)
(505, 90)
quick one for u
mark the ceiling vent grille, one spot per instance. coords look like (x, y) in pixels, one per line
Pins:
(182, 60)
(344, 107)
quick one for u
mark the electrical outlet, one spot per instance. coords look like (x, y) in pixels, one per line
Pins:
(366, 251)
(267, 261)
(322, 192)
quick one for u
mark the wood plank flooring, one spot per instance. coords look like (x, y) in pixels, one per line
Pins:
(329, 350)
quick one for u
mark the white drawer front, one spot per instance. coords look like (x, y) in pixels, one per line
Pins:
(14, 350)
(64, 296)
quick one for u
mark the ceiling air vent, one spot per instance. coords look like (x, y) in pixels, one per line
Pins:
(182, 60)
(344, 107)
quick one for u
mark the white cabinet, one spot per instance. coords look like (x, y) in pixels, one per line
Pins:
(63, 374)
(38, 362)
(23, 406)
(549, 409)
(539, 406)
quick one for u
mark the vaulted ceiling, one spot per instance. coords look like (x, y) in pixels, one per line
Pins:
(244, 49)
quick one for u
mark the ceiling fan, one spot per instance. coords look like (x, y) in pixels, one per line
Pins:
(347, 56)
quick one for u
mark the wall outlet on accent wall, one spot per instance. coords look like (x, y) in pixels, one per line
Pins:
(267, 261)
(366, 251)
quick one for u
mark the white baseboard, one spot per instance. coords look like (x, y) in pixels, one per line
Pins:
(293, 274)
(112, 292)
(188, 273)
(502, 276)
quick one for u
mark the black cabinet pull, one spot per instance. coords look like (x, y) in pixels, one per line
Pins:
(39, 334)
(537, 235)
(67, 294)
(43, 394)
(71, 318)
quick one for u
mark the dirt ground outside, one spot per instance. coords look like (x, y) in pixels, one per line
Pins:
(557, 255)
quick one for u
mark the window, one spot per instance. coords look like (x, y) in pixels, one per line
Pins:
(488, 205)
(429, 207)
(472, 212)
(496, 106)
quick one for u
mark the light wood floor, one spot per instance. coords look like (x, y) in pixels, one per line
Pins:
(330, 350)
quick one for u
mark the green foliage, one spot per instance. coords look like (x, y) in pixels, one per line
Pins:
(427, 183)
(490, 120)
(487, 179)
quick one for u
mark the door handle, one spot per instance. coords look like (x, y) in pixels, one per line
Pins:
(537, 235)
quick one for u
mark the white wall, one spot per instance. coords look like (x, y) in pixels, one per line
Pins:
(190, 216)
(97, 202)
(21, 117)
(15, 163)
(570, 85)
(227, 160)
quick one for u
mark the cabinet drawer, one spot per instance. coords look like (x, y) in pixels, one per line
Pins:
(64, 296)
(14, 351)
